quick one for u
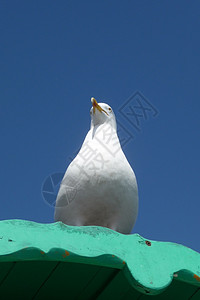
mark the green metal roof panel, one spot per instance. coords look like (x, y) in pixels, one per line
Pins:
(48, 261)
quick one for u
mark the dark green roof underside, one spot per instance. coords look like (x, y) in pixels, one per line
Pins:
(52, 280)
(84, 264)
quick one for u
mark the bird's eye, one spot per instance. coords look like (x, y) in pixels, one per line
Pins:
(109, 109)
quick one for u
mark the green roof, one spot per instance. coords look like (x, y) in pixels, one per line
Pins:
(56, 261)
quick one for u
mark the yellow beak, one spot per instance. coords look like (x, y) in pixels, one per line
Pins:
(97, 106)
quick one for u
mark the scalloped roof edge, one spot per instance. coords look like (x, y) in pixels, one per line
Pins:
(148, 265)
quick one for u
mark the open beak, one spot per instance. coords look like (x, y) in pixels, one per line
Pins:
(97, 106)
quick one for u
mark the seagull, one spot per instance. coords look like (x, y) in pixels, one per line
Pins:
(99, 187)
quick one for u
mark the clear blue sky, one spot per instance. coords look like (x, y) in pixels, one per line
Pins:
(55, 55)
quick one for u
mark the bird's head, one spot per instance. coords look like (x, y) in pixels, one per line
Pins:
(102, 113)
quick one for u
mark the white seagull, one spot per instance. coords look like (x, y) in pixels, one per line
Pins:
(99, 187)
